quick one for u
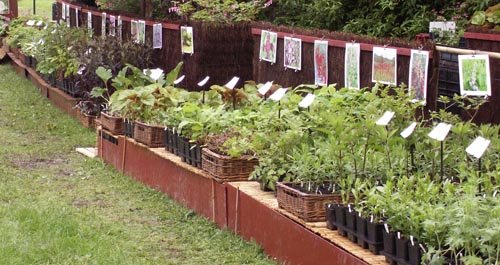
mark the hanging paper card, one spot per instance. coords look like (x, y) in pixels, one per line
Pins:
(351, 68)
(133, 30)
(478, 147)
(112, 25)
(320, 62)
(157, 36)
(440, 132)
(119, 27)
(474, 75)
(187, 41)
(89, 22)
(77, 18)
(278, 94)
(103, 24)
(385, 119)
(179, 80)
(293, 53)
(419, 63)
(63, 11)
(4, 7)
(68, 16)
(265, 88)
(231, 84)
(268, 46)
(307, 100)
(384, 67)
(141, 31)
(409, 130)
(204, 81)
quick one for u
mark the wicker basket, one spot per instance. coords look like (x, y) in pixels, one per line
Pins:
(308, 207)
(113, 124)
(150, 135)
(225, 168)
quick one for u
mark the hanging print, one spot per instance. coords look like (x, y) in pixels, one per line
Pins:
(133, 30)
(268, 46)
(119, 27)
(474, 75)
(419, 63)
(187, 42)
(77, 17)
(293, 53)
(112, 25)
(351, 68)
(141, 31)
(157, 36)
(89, 22)
(384, 68)
(103, 25)
(320, 63)
(4, 7)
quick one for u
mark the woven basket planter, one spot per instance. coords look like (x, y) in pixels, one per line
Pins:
(88, 121)
(111, 123)
(226, 168)
(150, 135)
(308, 207)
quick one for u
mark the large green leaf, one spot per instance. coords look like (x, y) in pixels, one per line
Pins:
(173, 75)
(478, 18)
(104, 74)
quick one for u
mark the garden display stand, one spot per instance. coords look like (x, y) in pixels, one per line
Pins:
(238, 206)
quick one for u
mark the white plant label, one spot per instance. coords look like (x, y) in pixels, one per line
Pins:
(179, 80)
(440, 132)
(307, 100)
(278, 94)
(386, 228)
(30, 23)
(155, 74)
(265, 88)
(386, 118)
(39, 23)
(231, 84)
(204, 81)
(409, 130)
(478, 147)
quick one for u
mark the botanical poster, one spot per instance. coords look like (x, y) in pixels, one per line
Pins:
(119, 27)
(187, 41)
(351, 66)
(141, 31)
(4, 7)
(293, 53)
(103, 25)
(77, 19)
(320, 62)
(133, 30)
(384, 68)
(419, 62)
(474, 75)
(112, 25)
(268, 46)
(89, 22)
(157, 36)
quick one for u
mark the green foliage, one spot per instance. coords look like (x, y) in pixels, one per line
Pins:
(222, 11)
(489, 18)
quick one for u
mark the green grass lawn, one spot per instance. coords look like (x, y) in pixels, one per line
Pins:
(58, 207)
(43, 7)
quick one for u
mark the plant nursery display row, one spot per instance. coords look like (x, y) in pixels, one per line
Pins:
(418, 186)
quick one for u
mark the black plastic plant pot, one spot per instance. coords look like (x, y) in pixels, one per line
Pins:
(340, 217)
(361, 227)
(330, 216)
(350, 220)
(374, 232)
(402, 248)
(414, 253)
(389, 243)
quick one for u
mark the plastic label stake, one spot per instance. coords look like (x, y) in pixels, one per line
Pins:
(278, 94)
(204, 81)
(440, 132)
(265, 88)
(307, 101)
(385, 119)
(179, 80)
(155, 74)
(409, 130)
(478, 147)
(232, 84)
